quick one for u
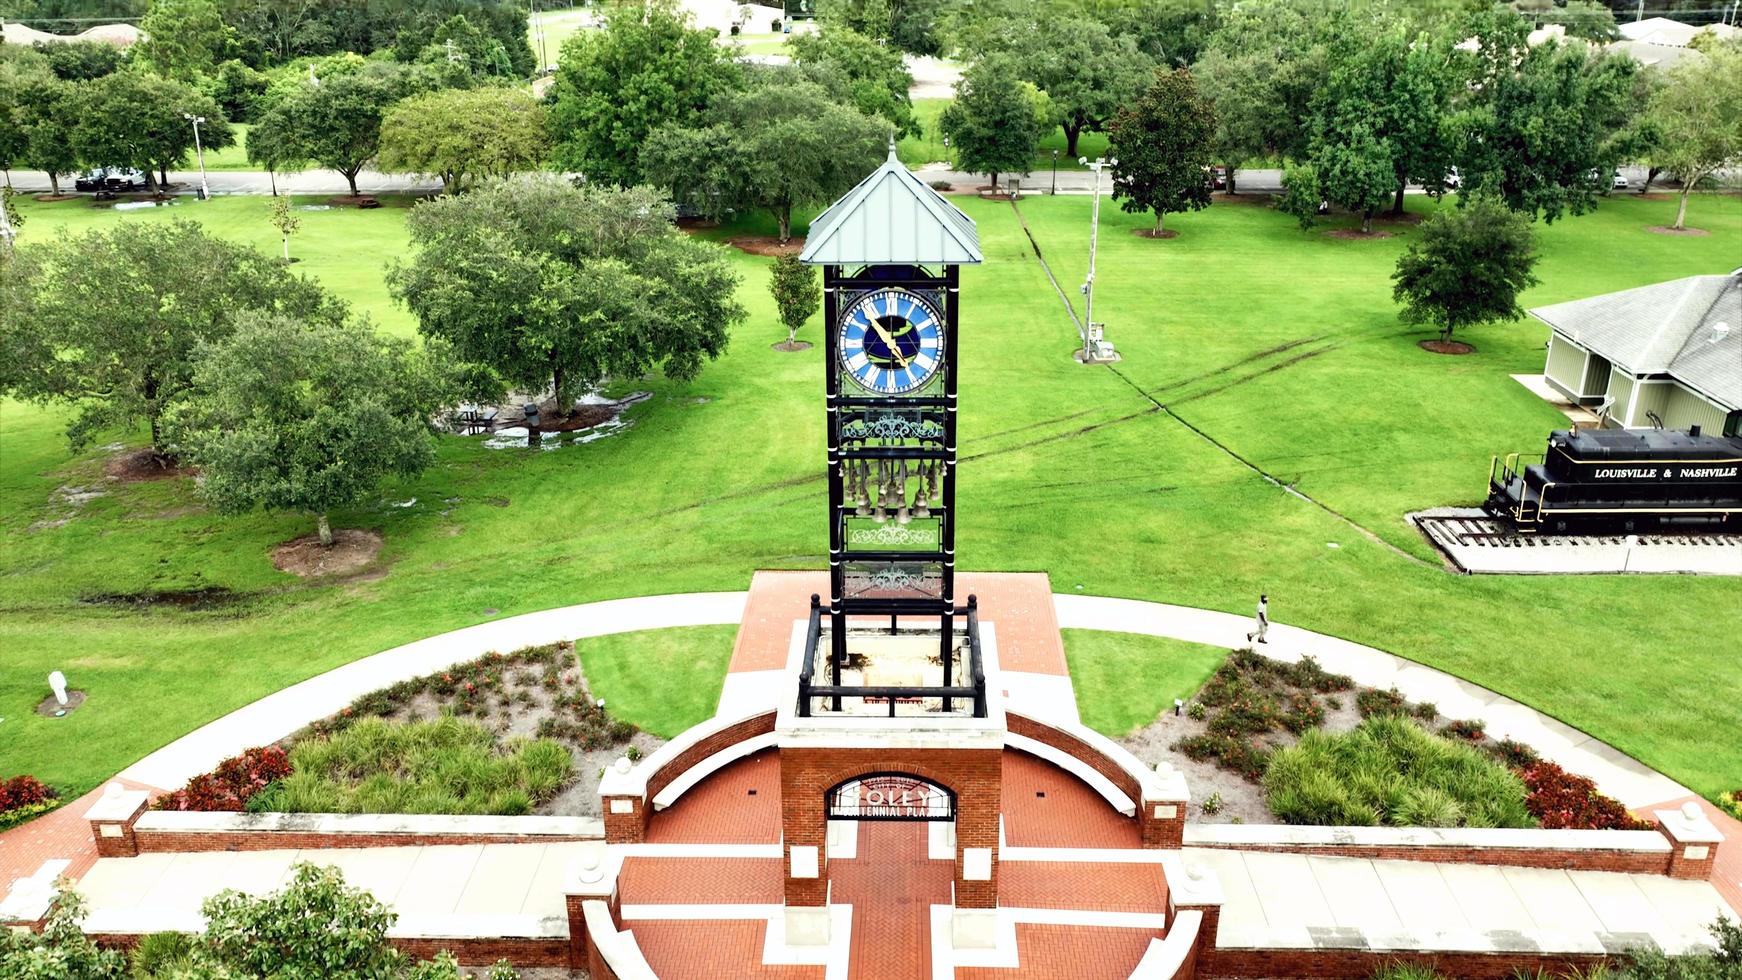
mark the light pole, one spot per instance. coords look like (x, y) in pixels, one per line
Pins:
(1095, 167)
(538, 32)
(199, 151)
(1055, 172)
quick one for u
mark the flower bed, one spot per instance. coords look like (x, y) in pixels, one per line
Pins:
(23, 798)
(1561, 800)
(230, 786)
(1250, 696)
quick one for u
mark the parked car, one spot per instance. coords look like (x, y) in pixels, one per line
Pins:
(1218, 178)
(109, 179)
(1454, 180)
(1619, 182)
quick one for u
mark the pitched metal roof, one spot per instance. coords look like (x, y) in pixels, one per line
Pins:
(1666, 328)
(892, 218)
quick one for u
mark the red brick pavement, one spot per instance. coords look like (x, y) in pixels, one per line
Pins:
(710, 950)
(700, 881)
(63, 833)
(1074, 952)
(1019, 603)
(740, 804)
(892, 886)
(1069, 815)
(1092, 887)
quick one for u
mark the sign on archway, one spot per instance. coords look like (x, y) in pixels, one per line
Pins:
(890, 796)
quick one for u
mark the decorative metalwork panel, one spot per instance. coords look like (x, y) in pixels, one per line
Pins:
(895, 424)
(865, 534)
(890, 796)
(894, 580)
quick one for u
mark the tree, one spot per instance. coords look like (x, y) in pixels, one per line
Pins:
(1162, 144)
(284, 219)
(1357, 173)
(239, 89)
(796, 293)
(1582, 19)
(857, 70)
(315, 926)
(1546, 124)
(996, 121)
(111, 319)
(1087, 73)
(336, 123)
(81, 61)
(1698, 119)
(137, 120)
(304, 416)
(553, 286)
(1260, 70)
(458, 134)
(646, 68)
(61, 950)
(459, 41)
(42, 118)
(782, 144)
(183, 38)
(1467, 267)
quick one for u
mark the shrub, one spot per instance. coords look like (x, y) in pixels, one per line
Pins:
(1516, 755)
(1307, 673)
(1425, 710)
(1250, 714)
(1234, 754)
(1196, 711)
(25, 814)
(1213, 804)
(1375, 702)
(442, 766)
(232, 784)
(163, 954)
(1468, 729)
(24, 798)
(1302, 713)
(1389, 771)
(1561, 800)
(1731, 803)
(61, 949)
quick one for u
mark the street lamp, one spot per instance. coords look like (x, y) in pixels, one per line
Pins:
(1089, 325)
(1055, 172)
(199, 151)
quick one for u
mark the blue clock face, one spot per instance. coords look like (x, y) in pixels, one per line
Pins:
(891, 341)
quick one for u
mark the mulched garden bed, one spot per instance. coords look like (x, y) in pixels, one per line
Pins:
(767, 245)
(1151, 233)
(351, 552)
(144, 464)
(1680, 232)
(583, 417)
(1445, 346)
(1356, 234)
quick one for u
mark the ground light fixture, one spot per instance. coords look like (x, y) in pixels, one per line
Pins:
(199, 151)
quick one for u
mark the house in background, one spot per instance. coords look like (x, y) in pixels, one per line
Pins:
(1673, 33)
(1667, 355)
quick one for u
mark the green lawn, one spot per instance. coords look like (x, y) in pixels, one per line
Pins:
(559, 26)
(1124, 680)
(1065, 469)
(232, 157)
(662, 681)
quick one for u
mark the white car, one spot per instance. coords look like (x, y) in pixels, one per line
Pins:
(1618, 182)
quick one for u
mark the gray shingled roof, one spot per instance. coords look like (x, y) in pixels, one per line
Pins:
(1665, 328)
(892, 218)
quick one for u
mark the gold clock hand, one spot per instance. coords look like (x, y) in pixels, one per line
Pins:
(889, 342)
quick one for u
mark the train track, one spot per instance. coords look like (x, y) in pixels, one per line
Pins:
(1460, 531)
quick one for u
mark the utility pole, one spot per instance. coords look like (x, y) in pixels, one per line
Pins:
(538, 32)
(1092, 331)
(205, 190)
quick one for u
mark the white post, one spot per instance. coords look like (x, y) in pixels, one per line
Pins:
(1094, 239)
(200, 152)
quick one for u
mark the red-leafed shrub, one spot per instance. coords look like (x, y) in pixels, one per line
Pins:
(232, 783)
(1561, 800)
(22, 791)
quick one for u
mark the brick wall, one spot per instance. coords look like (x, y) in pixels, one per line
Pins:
(115, 838)
(522, 952)
(631, 827)
(1341, 964)
(975, 775)
(185, 842)
(1569, 859)
(1071, 745)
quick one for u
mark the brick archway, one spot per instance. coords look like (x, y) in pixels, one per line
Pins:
(974, 776)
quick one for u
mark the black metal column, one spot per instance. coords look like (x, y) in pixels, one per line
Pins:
(837, 482)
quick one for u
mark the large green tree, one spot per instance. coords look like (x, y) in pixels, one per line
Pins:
(1468, 266)
(1087, 72)
(335, 122)
(557, 287)
(287, 414)
(110, 320)
(783, 143)
(858, 70)
(647, 67)
(183, 38)
(1697, 119)
(1260, 69)
(134, 119)
(1543, 126)
(36, 120)
(461, 134)
(1163, 145)
(997, 120)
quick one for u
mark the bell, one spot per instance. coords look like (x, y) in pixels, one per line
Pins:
(883, 488)
(922, 497)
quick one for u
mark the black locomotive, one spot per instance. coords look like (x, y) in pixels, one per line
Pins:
(1610, 481)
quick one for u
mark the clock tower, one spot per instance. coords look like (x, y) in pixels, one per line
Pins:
(891, 251)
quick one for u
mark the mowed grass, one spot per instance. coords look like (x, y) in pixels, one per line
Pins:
(1125, 680)
(661, 681)
(1066, 469)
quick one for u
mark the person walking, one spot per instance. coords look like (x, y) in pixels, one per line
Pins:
(1263, 620)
